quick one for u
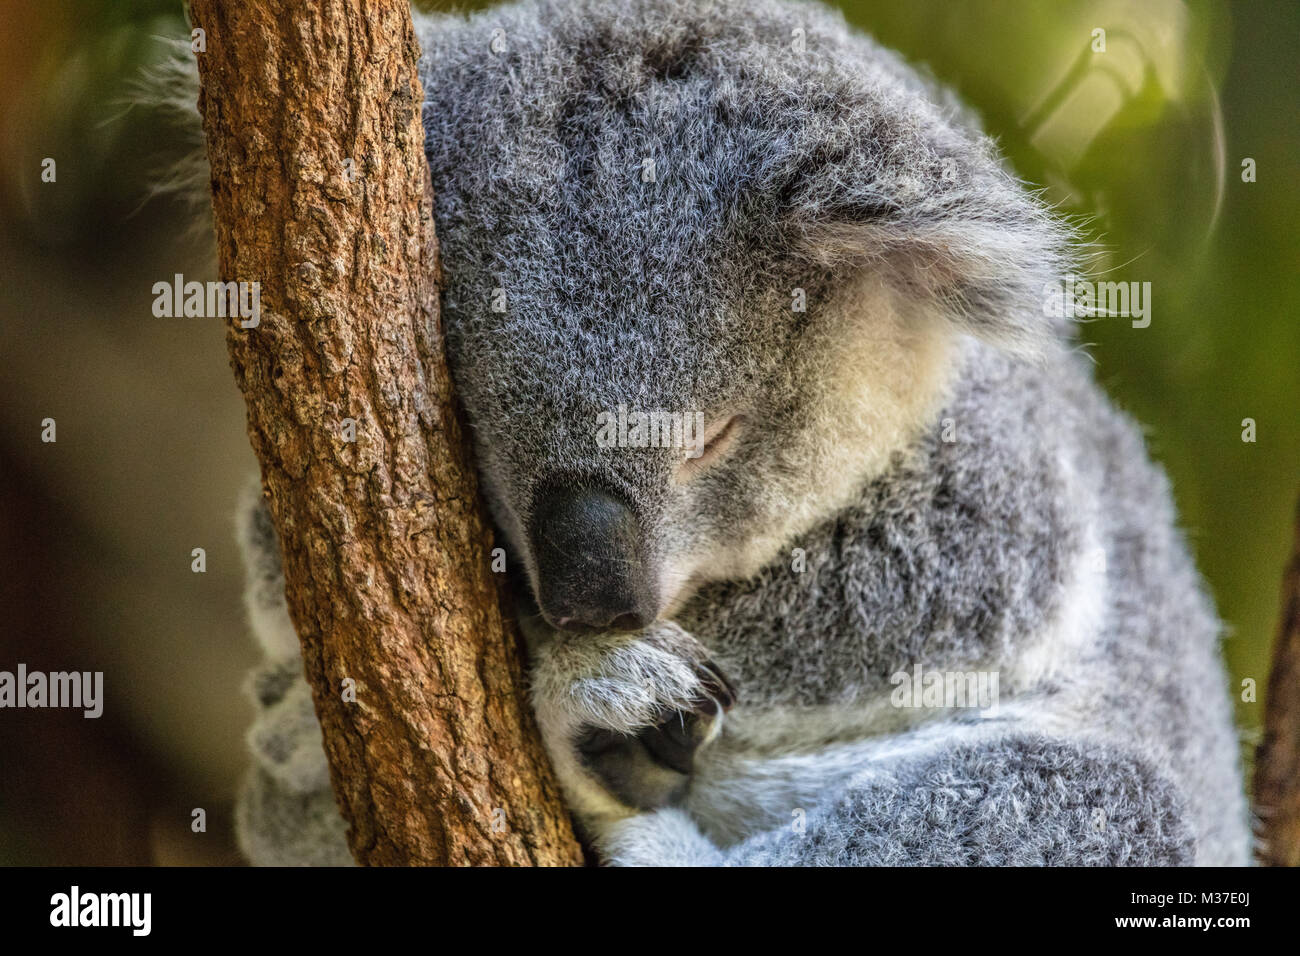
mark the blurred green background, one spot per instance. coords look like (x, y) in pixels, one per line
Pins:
(1143, 144)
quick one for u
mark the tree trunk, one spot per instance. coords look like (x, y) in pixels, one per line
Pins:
(321, 194)
(1277, 761)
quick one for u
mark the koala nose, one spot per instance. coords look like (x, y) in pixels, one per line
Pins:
(591, 572)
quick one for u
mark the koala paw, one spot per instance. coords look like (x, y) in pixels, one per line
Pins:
(629, 710)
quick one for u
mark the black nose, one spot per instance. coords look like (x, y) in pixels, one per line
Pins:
(591, 570)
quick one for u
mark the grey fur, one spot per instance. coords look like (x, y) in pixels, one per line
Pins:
(991, 513)
(286, 814)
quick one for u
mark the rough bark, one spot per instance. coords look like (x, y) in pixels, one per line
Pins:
(386, 552)
(1277, 761)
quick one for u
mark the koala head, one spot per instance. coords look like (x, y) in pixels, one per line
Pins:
(742, 217)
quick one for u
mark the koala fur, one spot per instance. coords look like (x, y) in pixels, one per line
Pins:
(915, 469)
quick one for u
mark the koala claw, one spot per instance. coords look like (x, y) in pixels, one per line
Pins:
(720, 693)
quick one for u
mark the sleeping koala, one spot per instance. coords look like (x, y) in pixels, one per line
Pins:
(914, 594)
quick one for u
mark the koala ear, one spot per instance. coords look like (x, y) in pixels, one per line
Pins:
(957, 231)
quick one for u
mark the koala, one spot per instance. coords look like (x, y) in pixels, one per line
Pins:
(763, 642)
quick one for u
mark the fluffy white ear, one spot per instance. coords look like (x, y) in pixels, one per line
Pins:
(945, 221)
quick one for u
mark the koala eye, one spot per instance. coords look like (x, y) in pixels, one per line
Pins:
(717, 440)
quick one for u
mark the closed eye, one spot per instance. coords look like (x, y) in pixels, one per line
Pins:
(713, 447)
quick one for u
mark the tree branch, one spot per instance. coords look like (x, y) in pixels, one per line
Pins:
(321, 193)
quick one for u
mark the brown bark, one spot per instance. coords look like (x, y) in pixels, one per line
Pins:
(386, 552)
(1277, 761)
